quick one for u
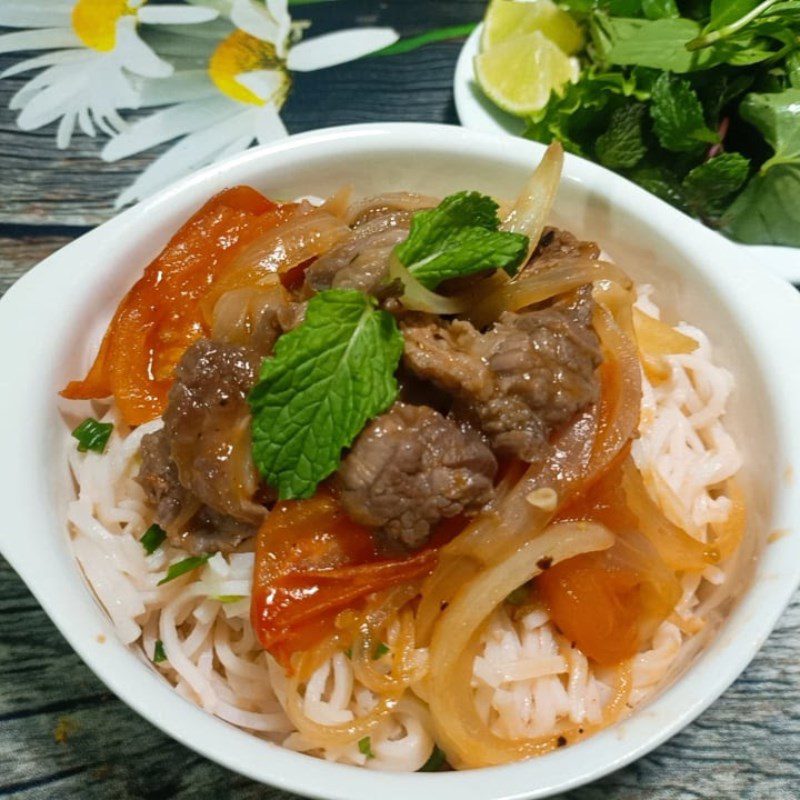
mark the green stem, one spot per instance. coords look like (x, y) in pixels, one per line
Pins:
(707, 39)
(437, 35)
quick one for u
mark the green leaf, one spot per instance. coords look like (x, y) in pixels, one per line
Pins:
(159, 654)
(708, 187)
(410, 43)
(459, 237)
(326, 379)
(793, 69)
(182, 567)
(622, 145)
(381, 650)
(723, 12)
(152, 538)
(660, 9)
(519, 596)
(677, 114)
(365, 746)
(662, 183)
(777, 116)
(435, 762)
(660, 44)
(768, 209)
(229, 598)
(92, 435)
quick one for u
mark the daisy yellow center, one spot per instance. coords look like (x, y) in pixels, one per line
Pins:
(95, 22)
(240, 52)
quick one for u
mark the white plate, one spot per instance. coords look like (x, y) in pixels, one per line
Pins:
(51, 321)
(478, 113)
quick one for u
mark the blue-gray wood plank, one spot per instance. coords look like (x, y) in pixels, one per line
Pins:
(62, 734)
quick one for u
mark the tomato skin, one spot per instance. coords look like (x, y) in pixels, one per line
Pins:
(160, 316)
(595, 605)
(610, 602)
(312, 562)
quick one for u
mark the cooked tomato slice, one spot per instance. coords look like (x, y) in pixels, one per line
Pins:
(312, 561)
(160, 316)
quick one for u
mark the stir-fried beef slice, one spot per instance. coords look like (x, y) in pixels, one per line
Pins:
(198, 469)
(362, 261)
(558, 245)
(410, 468)
(528, 374)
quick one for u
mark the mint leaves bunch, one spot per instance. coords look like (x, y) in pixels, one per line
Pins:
(334, 372)
(697, 101)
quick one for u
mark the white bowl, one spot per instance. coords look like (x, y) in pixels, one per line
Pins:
(478, 113)
(51, 321)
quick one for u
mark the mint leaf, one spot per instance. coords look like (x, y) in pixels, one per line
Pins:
(677, 114)
(622, 145)
(662, 183)
(708, 187)
(381, 649)
(768, 209)
(92, 435)
(152, 538)
(326, 379)
(459, 237)
(182, 567)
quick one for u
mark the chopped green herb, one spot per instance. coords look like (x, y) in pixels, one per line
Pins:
(327, 378)
(459, 237)
(435, 762)
(182, 567)
(365, 746)
(519, 596)
(92, 435)
(159, 654)
(229, 598)
(152, 538)
(380, 651)
(349, 653)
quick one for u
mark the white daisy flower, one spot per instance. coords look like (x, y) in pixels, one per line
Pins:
(235, 100)
(95, 49)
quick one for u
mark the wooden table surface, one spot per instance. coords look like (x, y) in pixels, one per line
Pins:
(62, 733)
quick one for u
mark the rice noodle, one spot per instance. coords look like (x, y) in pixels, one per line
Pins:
(516, 684)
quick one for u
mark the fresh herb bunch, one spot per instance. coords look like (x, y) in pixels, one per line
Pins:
(697, 101)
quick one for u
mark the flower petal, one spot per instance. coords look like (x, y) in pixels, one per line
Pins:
(269, 125)
(135, 55)
(177, 88)
(41, 39)
(175, 15)
(45, 60)
(39, 14)
(270, 23)
(192, 152)
(168, 124)
(339, 47)
(263, 83)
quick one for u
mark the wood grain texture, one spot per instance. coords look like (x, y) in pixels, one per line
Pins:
(63, 736)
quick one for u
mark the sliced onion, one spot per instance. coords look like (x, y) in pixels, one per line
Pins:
(534, 286)
(466, 739)
(417, 297)
(532, 207)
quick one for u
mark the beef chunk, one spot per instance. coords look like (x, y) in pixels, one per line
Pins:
(362, 261)
(198, 469)
(528, 374)
(412, 467)
(558, 245)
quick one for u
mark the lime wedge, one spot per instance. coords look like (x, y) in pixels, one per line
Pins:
(520, 73)
(506, 19)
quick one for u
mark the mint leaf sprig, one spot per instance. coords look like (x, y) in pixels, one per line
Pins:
(459, 237)
(326, 379)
